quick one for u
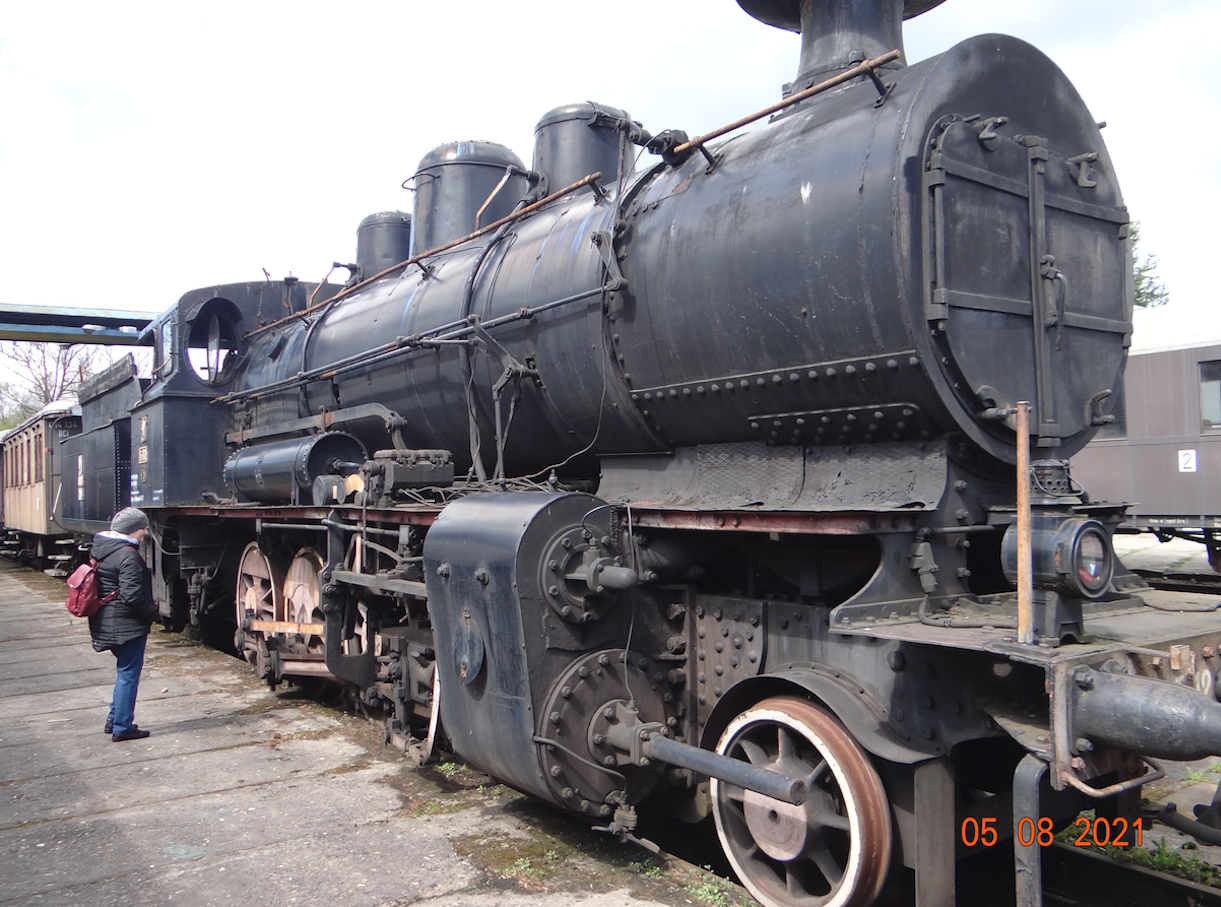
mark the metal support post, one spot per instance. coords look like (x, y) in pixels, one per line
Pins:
(1028, 858)
(935, 864)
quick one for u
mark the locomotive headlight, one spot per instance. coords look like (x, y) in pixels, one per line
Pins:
(1092, 559)
(1072, 556)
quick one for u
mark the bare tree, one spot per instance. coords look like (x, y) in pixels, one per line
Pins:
(41, 373)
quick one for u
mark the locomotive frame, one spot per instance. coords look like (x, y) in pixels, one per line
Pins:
(698, 483)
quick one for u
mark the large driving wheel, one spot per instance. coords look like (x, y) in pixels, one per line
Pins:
(302, 593)
(834, 849)
(258, 587)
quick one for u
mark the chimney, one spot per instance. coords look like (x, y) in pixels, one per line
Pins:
(838, 34)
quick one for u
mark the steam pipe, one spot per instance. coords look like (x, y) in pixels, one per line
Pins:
(864, 68)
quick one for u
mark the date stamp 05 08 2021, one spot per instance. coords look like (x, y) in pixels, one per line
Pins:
(1101, 831)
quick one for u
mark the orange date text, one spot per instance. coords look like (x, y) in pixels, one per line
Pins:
(1100, 831)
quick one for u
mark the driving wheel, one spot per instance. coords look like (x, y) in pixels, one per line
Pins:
(831, 851)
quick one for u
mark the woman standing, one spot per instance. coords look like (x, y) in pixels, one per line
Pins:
(121, 626)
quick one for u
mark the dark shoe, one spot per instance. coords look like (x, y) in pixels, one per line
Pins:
(109, 728)
(133, 733)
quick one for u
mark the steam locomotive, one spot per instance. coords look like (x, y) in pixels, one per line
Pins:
(700, 483)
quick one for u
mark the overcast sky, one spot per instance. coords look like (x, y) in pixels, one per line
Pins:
(148, 148)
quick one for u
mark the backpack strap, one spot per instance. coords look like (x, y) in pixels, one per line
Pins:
(106, 599)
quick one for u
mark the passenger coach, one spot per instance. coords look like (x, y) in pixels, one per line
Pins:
(33, 531)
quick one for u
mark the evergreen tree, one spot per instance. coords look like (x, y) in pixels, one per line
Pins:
(1149, 290)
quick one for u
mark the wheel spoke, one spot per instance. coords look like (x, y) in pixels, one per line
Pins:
(799, 895)
(732, 791)
(787, 745)
(833, 820)
(816, 775)
(754, 752)
(827, 865)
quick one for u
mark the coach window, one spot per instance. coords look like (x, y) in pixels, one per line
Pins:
(1210, 396)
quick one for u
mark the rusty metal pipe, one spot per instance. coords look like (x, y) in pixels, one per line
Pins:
(529, 209)
(495, 192)
(861, 69)
(1025, 565)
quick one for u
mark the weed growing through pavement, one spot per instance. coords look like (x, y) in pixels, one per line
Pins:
(1172, 862)
(708, 888)
(1162, 858)
(648, 867)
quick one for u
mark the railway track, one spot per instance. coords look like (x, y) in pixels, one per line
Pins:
(1181, 582)
(1075, 877)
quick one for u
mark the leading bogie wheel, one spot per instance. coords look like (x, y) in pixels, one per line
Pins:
(831, 851)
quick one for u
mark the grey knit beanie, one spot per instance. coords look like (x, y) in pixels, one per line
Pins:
(129, 520)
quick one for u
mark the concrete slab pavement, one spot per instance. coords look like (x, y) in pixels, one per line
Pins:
(1144, 552)
(240, 796)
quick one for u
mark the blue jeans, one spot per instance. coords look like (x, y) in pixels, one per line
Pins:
(129, 662)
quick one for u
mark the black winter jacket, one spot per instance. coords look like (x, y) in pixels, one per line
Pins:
(130, 614)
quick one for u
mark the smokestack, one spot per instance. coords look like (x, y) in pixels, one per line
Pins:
(838, 34)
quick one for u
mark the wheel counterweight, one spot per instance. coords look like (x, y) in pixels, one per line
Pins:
(831, 851)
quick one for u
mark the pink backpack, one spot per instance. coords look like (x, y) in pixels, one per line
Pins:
(83, 598)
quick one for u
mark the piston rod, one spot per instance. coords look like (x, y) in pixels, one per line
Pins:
(723, 768)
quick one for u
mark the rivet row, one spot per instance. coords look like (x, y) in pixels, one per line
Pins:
(813, 374)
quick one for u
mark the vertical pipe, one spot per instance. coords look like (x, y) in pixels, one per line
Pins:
(1024, 564)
